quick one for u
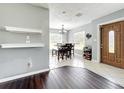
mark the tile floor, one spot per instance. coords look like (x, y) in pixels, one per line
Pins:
(114, 74)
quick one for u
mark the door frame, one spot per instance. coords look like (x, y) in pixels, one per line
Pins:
(99, 36)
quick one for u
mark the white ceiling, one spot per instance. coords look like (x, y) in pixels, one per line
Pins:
(90, 11)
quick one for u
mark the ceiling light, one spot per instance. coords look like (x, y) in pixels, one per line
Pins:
(63, 12)
(79, 14)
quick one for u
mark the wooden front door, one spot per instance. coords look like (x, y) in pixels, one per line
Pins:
(111, 44)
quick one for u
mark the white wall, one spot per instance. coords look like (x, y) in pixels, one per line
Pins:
(14, 61)
(93, 28)
(86, 28)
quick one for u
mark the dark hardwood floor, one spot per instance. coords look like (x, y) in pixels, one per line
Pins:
(62, 78)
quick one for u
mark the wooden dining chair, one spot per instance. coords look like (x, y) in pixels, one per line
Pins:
(69, 50)
(65, 51)
(72, 50)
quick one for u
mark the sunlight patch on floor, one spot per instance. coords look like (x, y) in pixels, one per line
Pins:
(112, 73)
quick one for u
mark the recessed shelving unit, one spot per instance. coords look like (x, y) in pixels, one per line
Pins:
(22, 45)
(21, 31)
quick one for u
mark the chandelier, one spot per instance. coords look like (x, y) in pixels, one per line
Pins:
(63, 30)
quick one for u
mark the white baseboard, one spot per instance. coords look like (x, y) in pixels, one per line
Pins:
(95, 61)
(78, 55)
(23, 75)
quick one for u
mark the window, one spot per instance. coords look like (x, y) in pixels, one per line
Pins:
(79, 40)
(111, 42)
(54, 39)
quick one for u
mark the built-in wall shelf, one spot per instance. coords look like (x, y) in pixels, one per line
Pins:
(20, 30)
(22, 45)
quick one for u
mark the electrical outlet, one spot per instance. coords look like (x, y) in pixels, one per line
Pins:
(29, 64)
(27, 39)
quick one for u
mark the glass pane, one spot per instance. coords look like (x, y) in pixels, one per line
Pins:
(111, 42)
(79, 40)
(54, 39)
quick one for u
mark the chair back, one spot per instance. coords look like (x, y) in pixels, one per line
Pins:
(69, 46)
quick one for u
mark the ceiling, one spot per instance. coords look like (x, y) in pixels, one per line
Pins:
(77, 14)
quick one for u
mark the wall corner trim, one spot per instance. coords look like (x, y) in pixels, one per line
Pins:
(23, 75)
